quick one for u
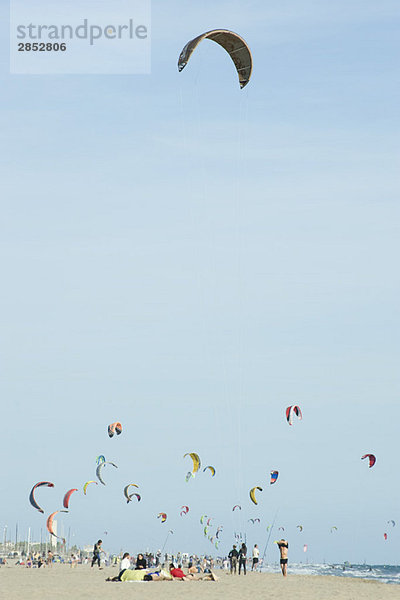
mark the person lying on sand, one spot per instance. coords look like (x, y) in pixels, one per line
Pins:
(141, 575)
(191, 575)
(176, 573)
(160, 575)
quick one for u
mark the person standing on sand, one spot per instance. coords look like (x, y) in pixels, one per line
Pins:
(49, 558)
(242, 558)
(283, 549)
(233, 557)
(256, 554)
(97, 550)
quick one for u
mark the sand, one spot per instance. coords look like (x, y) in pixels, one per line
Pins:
(81, 583)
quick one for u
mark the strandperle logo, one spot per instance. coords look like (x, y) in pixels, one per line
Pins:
(85, 31)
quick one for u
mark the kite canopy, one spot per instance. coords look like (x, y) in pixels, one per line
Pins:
(68, 496)
(100, 459)
(114, 428)
(274, 476)
(196, 462)
(291, 411)
(129, 497)
(235, 45)
(162, 516)
(32, 494)
(392, 523)
(371, 457)
(252, 493)
(49, 525)
(99, 469)
(237, 506)
(86, 486)
(212, 470)
(184, 510)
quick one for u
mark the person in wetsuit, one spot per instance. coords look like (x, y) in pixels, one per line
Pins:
(242, 558)
(233, 559)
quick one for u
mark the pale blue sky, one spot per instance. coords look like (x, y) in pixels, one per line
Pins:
(190, 259)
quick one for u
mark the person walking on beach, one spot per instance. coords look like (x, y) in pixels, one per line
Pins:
(233, 557)
(242, 558)
(97, 550)
(256, 554)
(283, 549)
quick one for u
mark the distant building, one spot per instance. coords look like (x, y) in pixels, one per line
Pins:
(53, 540)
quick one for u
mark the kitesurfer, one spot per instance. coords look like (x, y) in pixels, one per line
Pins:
(283, 549)
(233, 557)
(242, 558)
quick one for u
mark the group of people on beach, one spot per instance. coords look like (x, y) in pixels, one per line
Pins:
(239, 557)
(37, 559)
(142, 571)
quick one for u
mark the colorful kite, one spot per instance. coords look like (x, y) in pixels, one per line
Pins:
(371, 458)
(291, 411)
(32, 499)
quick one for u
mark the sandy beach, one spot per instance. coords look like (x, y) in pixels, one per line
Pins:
(62, 582)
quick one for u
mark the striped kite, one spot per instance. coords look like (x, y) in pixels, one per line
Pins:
(371, 458)
(274, 476)
(32, 494)
(291, 411)
(114, 428)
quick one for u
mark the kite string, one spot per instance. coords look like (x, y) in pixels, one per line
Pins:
(165, 543)
(269, 537)
(243, 113)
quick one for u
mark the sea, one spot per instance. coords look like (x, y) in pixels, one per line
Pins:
(382, 573)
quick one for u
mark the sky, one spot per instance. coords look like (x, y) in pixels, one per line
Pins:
(190, 259)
